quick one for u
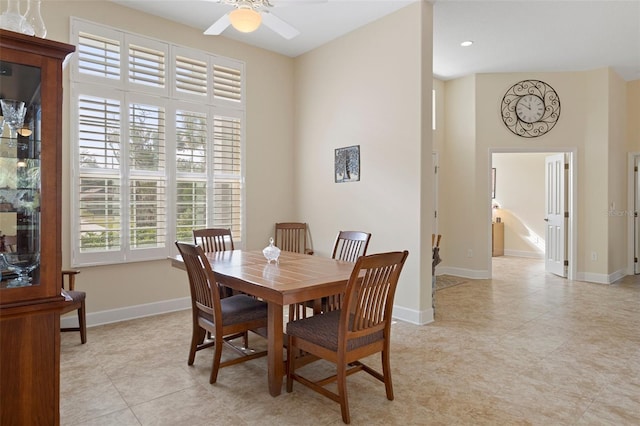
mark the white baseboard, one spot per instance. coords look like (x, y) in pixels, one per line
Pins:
(412, 316)
(166, 306)
(128, 313)
(522, 253)
(617, 275)
(591, 277)
(601, 278)
(462, 272)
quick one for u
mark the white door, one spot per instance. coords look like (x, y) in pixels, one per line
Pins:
(556, 226)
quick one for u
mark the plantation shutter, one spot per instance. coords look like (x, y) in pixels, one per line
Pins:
(191, 76)
(98, 56)
(98, 188)
(228, 87)
(158, 134)
(191, 180)
(227, 173)
(147, 177)
(147, 66)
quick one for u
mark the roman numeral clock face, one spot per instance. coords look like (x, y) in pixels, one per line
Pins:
(530, 108)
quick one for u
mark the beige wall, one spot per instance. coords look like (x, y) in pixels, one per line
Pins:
(633, 108)
(371, 88)
(269, 141)
(617, 190)
(593, 163)
(457, 170)
(588, 101)
(384, 119)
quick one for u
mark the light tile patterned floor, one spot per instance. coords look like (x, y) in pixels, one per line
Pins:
(523, 348)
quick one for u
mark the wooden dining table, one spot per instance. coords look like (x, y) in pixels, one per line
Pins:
(295, 278)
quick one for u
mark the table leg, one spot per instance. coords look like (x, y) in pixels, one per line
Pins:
(275, 345)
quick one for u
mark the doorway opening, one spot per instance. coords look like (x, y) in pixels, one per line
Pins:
(519, 200)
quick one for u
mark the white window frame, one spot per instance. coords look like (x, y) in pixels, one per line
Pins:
(171, 100)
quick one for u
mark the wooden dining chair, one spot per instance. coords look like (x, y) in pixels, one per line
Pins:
(74, 301)
(292, 236)
(350, 245)
(213, 239)
(362, 327)
(225, 319)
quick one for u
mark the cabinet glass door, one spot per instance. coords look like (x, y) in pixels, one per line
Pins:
(19, 175)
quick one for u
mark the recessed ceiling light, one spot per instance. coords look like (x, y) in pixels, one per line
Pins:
(466, 43)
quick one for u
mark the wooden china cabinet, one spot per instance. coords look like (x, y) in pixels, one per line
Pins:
(30, 235)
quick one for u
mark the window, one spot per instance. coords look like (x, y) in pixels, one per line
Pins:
(433, 109)
(157, 145)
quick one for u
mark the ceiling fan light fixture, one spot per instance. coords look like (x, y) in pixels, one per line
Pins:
(245, 19)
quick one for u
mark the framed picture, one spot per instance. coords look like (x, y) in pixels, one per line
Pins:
(493, 183)
(347, 164)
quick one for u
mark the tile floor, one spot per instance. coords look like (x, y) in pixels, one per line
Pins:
(523, 348)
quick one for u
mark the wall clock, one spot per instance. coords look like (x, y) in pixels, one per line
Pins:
(530, 108)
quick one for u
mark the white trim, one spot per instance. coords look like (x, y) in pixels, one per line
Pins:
(128, 313)
(591, 277)
(522, 253)
(412, 316)
(166, 306)
(473, 274)
(631, 207)
(435, 164)
(617, 275)
(601, 278)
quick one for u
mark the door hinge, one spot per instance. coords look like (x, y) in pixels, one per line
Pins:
(566, 214)
(435, 170)
(635, 260)
(435, 214)
(635, 169)
(566, 263)
(566, 166)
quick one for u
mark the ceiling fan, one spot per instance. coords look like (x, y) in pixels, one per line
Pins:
(247, 16)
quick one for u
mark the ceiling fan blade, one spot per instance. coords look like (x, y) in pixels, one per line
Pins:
(278, 25)
(219, 26)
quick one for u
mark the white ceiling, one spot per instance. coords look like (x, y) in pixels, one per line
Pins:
(509, 36)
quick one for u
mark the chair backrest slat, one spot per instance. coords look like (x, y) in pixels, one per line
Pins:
(350, 245)
(213, 239)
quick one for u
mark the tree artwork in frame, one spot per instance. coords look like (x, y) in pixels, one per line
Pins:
(493, 183)
(347, 164)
